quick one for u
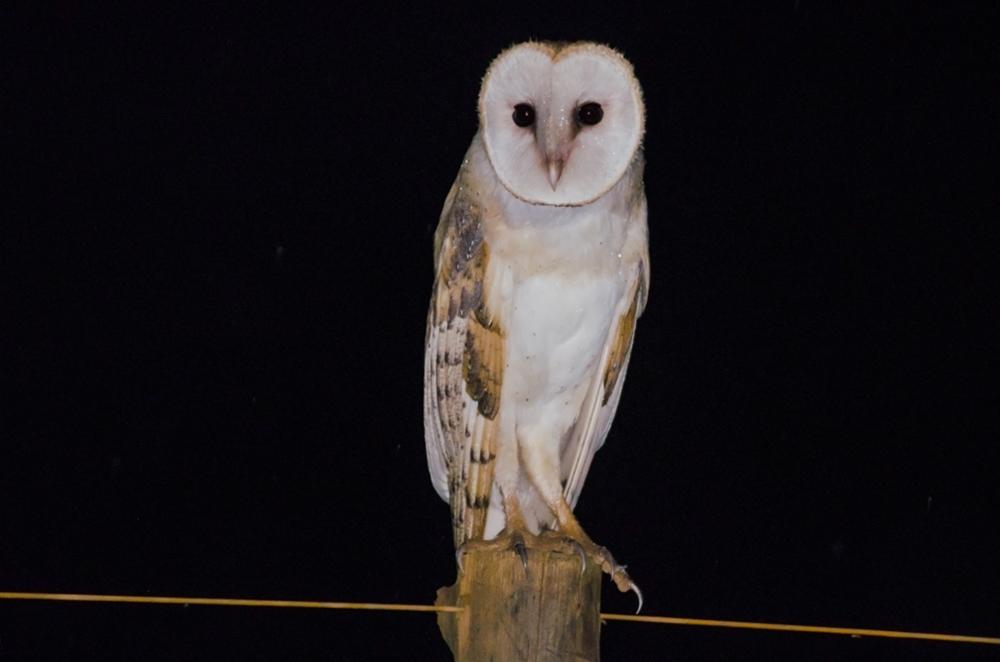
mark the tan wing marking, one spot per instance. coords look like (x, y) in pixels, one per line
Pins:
(621, 344)
(482, 367)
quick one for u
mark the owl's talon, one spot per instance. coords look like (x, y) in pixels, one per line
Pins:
(581, 552)
(635, 589)
(618, 573)
(522, 553)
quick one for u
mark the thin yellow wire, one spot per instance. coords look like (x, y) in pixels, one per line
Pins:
(222, 602)
(670, 620)
(786, 627)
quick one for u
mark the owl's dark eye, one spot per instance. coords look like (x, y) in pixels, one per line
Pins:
(524, 114)
(589, 113)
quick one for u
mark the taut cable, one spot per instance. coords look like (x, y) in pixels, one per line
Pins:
(381, 606)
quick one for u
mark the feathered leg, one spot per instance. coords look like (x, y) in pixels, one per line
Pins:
(514, 534)
(541, 462)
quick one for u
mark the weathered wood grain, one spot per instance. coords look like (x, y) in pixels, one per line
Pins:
(547, 613)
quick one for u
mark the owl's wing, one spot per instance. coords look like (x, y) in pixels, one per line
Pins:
(463, 368)
(591, 428)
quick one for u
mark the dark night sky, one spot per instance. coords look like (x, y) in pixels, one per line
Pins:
(217, 259)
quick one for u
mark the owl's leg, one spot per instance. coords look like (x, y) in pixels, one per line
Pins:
(508, 478)
(515, 533)
(511, 537)
(541, 461)
(515, 528)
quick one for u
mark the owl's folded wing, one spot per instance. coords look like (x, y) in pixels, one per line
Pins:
(463, 369)
(594, 422)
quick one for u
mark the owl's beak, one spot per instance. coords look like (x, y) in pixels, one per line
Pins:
(555, 171)
(556, 141)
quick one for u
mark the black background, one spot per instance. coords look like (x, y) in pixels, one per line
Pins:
(217, 250)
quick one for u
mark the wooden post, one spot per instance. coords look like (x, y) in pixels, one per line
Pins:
(549, 612)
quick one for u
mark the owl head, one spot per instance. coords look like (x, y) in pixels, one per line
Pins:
(560, 123)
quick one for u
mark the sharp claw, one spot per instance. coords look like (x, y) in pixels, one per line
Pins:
(522, 553)
(459, 553)
(582, 553)
(638, 594)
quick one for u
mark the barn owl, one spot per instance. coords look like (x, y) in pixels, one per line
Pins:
(541, 261)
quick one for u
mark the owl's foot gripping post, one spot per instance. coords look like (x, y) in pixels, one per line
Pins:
(515, 536)
(570, 530)
(571, 537)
